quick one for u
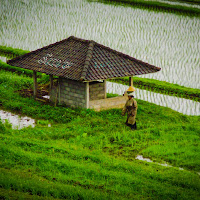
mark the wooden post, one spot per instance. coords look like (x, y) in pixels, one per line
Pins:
(56, 99)
(59, 82)
(131, 81)
(51, 81)
(34, 84)
(105, 95)
(87, 95)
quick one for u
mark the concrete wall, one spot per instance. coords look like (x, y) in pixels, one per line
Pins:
(97, 90)
(104, 104)
(72, 93)
(75, 94)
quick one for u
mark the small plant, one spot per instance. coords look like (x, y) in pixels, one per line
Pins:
(2, 127)
(43, 122)
(7, 124)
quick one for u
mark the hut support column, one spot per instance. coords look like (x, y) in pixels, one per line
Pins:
(51, 81)
(59, 82)
(34, 84)
(87, 95)
(131, 81)
(105, 95)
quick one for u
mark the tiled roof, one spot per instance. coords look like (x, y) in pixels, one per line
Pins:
(83, 60)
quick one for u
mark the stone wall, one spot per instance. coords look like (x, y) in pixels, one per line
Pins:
(97, 90)
(104, 104)
(72, 93)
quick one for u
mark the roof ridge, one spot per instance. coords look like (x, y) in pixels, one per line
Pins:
(87, 60)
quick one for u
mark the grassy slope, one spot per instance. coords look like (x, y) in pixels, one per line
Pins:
(87, 154)
(10, 52)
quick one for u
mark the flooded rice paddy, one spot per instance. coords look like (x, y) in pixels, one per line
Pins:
(146, 35)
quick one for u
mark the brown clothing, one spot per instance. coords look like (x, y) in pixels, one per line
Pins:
(131, 109)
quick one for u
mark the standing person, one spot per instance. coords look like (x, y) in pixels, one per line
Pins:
(131, 109)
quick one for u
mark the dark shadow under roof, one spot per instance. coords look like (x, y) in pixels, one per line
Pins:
(82, 60)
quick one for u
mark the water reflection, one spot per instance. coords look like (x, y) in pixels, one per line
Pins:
(181, 105)
(140, 157)
(3, 59)
(18, 122)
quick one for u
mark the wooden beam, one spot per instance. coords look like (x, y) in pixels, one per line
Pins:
(51, 81)
(87, 95)
(34, 84)
(59, 82)
(105, 94)
(131, 81)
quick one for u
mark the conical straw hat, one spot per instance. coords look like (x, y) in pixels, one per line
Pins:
(130, 89)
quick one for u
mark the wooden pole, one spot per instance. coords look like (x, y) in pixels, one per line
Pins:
(59, 82)
(34, 84)
(56, 99)
(87, 95)
(51, 81)
(105, 94)
(131, 81)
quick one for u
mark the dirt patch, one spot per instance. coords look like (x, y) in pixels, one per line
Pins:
(42, 90)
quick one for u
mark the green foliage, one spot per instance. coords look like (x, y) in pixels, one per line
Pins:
(10, 52)
(7, 125)
(2, 127)
(9, 194)
(63, 168)
(110, 95)
(11, 100)
(8, 79)
(18, 70)
(156, 6)
(91, 155)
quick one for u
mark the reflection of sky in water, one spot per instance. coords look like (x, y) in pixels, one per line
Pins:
(181, 105)
(17, 121)
(140, 157)
(3, 59)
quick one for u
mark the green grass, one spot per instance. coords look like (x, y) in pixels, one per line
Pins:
(10, 52)
(192, 2)
(156, 6)
(91, 155)
(17, 70)
(10, 99)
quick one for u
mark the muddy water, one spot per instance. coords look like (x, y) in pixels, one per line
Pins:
(140, 157)
(17, 122)
(3, 59)
(181, 105)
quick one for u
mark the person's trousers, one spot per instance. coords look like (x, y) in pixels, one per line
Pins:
(133, 127)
